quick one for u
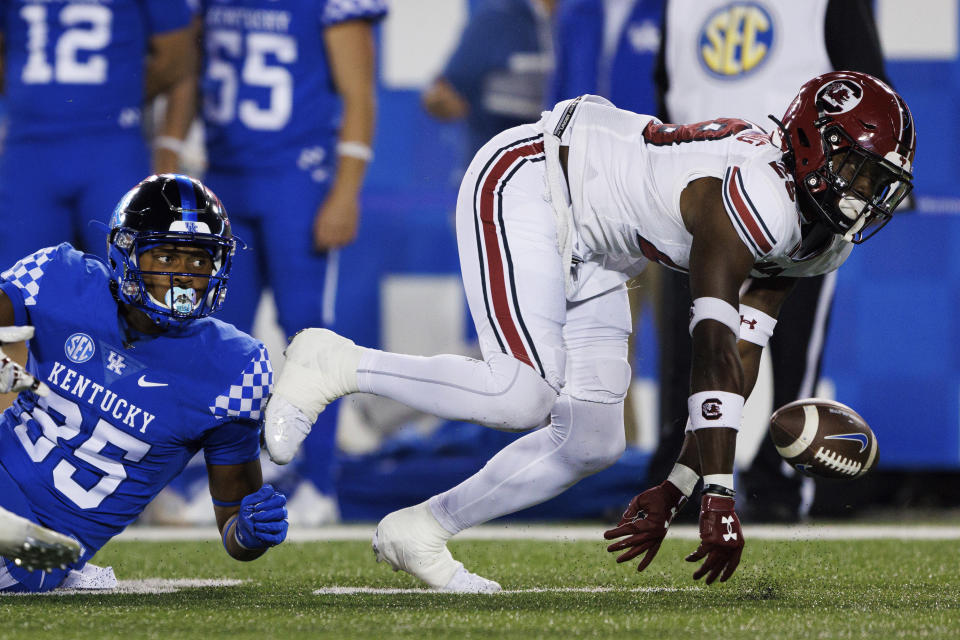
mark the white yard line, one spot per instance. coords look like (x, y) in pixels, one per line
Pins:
(561, 533)
(349, 591)
(150, 585)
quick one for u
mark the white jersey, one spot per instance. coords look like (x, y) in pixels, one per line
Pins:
(626, 173)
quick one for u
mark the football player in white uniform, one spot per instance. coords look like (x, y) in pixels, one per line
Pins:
(552, 219)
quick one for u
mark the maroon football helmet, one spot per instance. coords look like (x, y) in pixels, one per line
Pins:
(852, 141)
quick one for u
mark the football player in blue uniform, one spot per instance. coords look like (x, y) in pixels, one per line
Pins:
(128, 378)
(288, 110)
(75, 77)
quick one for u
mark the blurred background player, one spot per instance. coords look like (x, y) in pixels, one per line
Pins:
(288, 108)
(76, 76)
(746, 59)
(609, 48)
(129, 378)
(497, 76)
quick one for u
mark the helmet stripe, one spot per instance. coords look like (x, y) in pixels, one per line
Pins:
(188, 199)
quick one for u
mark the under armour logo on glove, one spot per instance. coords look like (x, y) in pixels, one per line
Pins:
(730, 534)
(721, 539)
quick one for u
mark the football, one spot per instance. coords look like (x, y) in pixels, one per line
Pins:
(824, 438)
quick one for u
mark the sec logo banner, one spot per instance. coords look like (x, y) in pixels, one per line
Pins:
(736, 40)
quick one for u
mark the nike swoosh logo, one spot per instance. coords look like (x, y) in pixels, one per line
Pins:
(858, 437)
(144, 383)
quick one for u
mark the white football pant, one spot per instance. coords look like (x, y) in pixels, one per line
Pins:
(544, 357)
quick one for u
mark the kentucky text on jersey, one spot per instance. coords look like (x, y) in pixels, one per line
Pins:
(85, 389)
(268, 97)
(243, 18)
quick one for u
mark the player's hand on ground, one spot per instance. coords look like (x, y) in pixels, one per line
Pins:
(336, 222)
(721, 539)
(13, 377)
(262, 521)
(645, 523)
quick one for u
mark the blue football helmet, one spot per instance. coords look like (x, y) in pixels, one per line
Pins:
(169, 209)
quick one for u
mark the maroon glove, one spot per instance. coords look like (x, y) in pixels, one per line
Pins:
(721, 539)
(645, 522)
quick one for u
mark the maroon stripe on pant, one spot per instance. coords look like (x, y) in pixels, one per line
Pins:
(494, 260)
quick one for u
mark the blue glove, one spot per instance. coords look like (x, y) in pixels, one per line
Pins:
(262, 521)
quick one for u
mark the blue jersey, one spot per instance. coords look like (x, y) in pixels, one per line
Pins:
(78, 65)
(608, 49)
(122, 418)
(268, 95)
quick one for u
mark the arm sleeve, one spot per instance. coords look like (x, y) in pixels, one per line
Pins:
(336, 11)
(168, 15)
(755, 208)
(232, 442)
(21, 282)
(579, 43)
(246, 397)
(852, 41)
(236, 437)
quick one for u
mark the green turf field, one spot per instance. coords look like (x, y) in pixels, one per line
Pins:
(783, 589)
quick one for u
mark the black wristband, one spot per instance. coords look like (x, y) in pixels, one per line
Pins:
(719, 490)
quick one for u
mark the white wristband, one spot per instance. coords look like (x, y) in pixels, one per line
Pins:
(683, 478)
(714, 409)
(170, 143)
(707, 308)
(722, 479)
(755, 325)
(358, 150)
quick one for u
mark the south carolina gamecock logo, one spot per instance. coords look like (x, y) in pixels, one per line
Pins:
(839, 96)
(712, 409)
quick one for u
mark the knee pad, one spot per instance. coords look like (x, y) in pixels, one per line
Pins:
(603, 380)
(524, 401)
(591, 433)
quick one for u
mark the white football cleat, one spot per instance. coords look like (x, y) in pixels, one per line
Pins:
(465, 582)
(90, 577)
(412, 540)
(320, 367)
(285, 428)
(34, 547)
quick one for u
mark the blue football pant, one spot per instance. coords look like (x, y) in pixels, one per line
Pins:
(16, 579)
(51, 191)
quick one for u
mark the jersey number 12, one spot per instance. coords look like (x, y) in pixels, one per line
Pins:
(86, 28)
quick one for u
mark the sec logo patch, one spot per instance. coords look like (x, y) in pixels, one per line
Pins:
(736, 40)
(79, 348)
